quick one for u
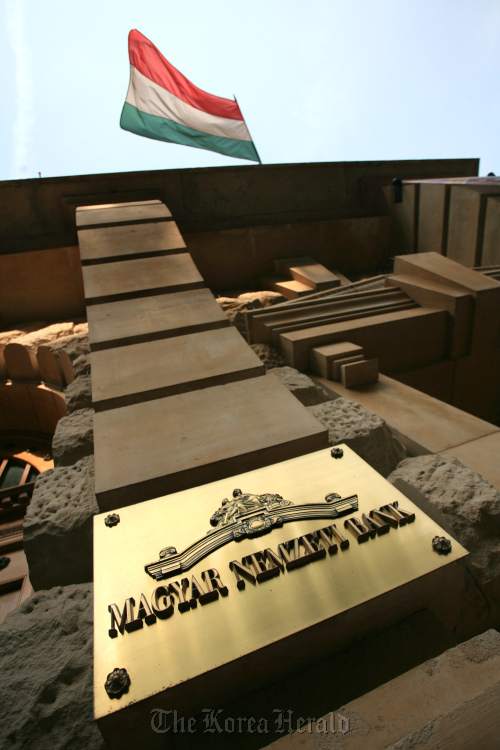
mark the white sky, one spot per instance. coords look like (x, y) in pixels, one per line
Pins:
(331, 80)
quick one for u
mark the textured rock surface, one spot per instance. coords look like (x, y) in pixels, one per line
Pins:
(57, 526)
(35, 334)
(269, 355)
(78, 394)
(234, 307)
(75, 345)
(366, 433)
(301, 386)
(46, 656)
(73, 438)
(81, 365)
(465, 505)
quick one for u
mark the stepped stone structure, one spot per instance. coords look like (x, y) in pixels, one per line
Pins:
(182, 342)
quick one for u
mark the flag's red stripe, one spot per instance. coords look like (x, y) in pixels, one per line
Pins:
(150, 62)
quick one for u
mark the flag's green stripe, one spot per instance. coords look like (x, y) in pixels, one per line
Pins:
(161, 129)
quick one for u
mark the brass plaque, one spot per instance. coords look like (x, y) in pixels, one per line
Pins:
(216, 590)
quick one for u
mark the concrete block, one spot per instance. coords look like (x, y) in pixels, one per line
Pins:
(337, 364)
(465, 215)
(366, 433)
(354, 374)
(57, 528)
(402, 339)
(125, 279)
(458, 302)
(266, 326)
(121, 213)
(129, 241)
(433, 208)
(307, 271)
(212, 433)
(174, 365)
(323, 357)
(490, 252)
(148, 318)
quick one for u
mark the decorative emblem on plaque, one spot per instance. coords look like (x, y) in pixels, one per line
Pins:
(112, 520)
(117, 683)
(337, 452)
(244, 516)
(441, 544)
(242, 504)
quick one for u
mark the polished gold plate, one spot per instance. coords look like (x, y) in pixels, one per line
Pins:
(242, 634)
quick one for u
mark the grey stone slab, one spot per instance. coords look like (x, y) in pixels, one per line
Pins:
(148, 318)
(129, 241)
(121, 213)
(175, 365)
(159, 447)
(141, 277)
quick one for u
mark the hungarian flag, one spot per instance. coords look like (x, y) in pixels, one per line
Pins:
(162, 104)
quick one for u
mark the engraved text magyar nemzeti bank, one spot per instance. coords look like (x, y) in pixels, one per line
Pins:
(244, 516)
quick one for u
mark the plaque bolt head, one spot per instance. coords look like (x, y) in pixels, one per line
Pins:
(4, 561)
(441, 544)
(337, 452)
(112, 520)
(117, 683)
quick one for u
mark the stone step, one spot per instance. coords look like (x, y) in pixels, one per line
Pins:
(339, 363)
(308, 271)
(290, 289)
(129, 241)
(132, 321)
(322, 358)
(362, 372)
(174, 365)
(158, 447)
(282, 318)
(126, 279)
(402, 339)
(134, 212)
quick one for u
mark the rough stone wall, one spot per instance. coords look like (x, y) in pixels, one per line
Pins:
(468, 507)
(46, 688)
(58, 526)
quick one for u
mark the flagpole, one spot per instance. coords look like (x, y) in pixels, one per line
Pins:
(249, 133)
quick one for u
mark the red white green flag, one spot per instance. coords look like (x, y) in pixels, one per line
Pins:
(162, 104)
